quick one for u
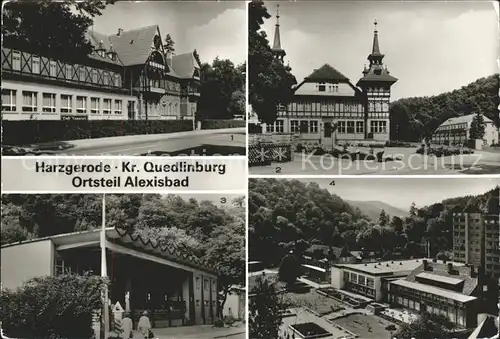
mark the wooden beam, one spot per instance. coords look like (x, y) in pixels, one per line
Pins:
(145, 256)
(77, 245)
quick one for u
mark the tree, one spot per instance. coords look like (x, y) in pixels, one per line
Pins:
(383, 219)
(289, 269)
(265, 310)
(237, 105)
(413, 209)
(270, 81)
(426, 326)
(222, 89)
(169, 44)
(477, 128)
(54, 307)
(225, 252)
(51, 29)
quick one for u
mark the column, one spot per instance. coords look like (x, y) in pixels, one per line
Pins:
(187, 297)
(128, 289)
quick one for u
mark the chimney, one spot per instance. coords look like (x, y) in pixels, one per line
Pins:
(426, 265)
(450, 268)
(120, 31)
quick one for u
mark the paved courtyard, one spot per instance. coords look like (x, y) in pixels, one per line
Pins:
(365, 325)
(304, 316)
(481, 162)
(198, 332)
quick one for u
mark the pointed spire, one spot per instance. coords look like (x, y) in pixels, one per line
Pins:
(277, 37)
(376, 48)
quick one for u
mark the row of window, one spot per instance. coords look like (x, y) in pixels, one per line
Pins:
(322, 87)
(328, 106)
(62, 71)
(359, 279)
(344, 127)
(462, 126)
(320, 114)
(30, 102)
(455, 316)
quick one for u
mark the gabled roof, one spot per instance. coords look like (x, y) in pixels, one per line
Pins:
(326, 73)
(133, 47)
(464, 119)
(185, 64)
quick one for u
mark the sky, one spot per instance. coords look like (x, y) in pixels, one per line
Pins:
(212, 28)
(431, 47)
(401, 192)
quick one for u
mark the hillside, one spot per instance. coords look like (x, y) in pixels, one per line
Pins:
(290, 215)
(372, 209)
(414, 117)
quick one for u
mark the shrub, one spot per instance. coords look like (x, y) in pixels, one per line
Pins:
(218, 323)
(52, 307)
(219, 124)
(43, 131)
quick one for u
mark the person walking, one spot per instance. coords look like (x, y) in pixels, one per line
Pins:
(144, 326)
(127, 326)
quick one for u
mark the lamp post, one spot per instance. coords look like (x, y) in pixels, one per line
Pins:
(104, 270)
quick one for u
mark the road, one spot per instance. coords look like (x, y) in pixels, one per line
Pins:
(481, 162)
(208, 144)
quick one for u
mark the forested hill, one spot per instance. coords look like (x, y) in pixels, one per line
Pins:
(413, 118)
(289, 215)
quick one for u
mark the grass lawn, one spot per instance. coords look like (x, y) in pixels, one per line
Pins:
(365, 326)
(314, 301)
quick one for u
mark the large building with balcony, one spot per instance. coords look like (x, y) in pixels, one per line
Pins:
(129, 75)
(456, 131)
(476, 241)
(327, 108)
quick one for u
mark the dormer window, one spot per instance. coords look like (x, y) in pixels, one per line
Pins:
(321, 87)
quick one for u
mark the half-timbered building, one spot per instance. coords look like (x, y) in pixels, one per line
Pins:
(327, 108)
(128, 75)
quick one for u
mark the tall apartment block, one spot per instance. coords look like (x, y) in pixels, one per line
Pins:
(476, 241)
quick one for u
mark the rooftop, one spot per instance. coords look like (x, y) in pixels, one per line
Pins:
(438, 271)
(91, 238)
(441, 278)
(434, 290)
(384, 267)
(464, 119)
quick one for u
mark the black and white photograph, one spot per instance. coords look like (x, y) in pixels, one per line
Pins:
(123, 266)
(374, 258)
(373, 87)
(124, 78)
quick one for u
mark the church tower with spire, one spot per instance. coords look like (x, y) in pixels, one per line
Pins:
(376, 86)
(278, 52)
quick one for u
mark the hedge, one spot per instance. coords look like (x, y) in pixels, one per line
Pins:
(219, 124)
(17, 133)
(52, 307)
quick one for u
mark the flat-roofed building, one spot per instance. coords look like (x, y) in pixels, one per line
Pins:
(451, 289)
(177, 288)
(371, 279)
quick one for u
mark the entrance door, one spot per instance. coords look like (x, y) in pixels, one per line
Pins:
(327, 134)
(131, 110)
